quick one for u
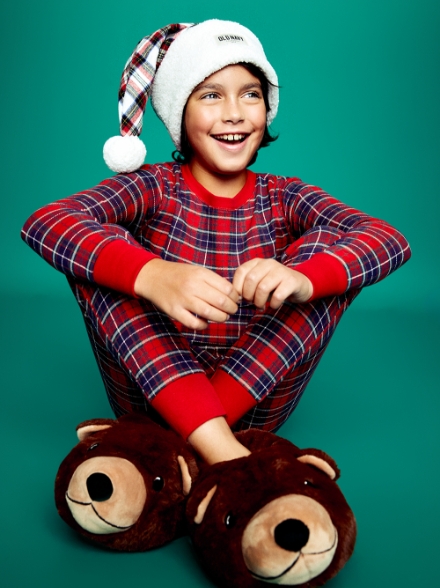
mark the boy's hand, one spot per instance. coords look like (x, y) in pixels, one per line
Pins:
(263, 280)
(183, 291)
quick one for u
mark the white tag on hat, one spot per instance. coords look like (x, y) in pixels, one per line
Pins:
(224, 39)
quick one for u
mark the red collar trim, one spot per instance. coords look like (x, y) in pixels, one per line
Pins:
(238, 200)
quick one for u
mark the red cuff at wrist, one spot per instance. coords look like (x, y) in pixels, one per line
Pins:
(187, 403)
(119, 264)
(234, 397)
(327, 274)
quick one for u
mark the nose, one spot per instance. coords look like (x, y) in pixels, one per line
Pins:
(232, 111)
(291, 534)
(99, 486)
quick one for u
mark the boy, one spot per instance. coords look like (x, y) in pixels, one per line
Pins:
(209, 292)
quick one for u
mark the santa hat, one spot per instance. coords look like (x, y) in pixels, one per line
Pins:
(167, 66)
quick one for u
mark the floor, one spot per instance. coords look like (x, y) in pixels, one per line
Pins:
(373, 405)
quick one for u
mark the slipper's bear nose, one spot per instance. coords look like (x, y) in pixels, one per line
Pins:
(100, 487)
(291, 534)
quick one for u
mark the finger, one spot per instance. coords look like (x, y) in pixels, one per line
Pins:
(265, 290)
(279, 296)
(192, 321)
(187, 318)
(210, 312)
(225, 297)
(256, 286)
(205, 295)
(241, 273)
(296, 288)
(223, 293)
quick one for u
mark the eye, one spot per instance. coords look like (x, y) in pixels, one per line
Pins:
(210, 96)
(309, 484)
(158, 484)
(94, 446)
(252, 94)
(230, 520)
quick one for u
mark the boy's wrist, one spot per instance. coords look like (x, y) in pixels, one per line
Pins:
(147, 276)
(119, 264)
(326, 273)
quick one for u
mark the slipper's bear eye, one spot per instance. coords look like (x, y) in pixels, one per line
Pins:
(94, 446)
(310, 484)
(230, 520)
(158, 484)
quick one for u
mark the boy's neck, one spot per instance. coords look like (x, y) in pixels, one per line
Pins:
(224, 185)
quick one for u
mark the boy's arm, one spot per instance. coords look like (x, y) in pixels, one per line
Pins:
(82, 236)
(368, 251)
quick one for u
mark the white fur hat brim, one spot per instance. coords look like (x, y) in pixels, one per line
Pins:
(198, 52)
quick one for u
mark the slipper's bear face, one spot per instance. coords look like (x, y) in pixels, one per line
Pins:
(275, 517)
(125, 484)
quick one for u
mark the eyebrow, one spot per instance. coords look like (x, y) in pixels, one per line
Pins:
(208, 86)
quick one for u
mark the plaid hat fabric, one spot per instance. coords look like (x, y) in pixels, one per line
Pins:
(186, 54)
(138, 76)
(127, 152)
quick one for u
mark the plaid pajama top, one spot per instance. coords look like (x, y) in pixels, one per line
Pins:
(106, 234)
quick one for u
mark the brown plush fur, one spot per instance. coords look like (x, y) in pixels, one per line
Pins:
(246, 485)
(154, 452)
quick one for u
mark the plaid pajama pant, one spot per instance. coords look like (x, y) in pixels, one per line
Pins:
(139, 349)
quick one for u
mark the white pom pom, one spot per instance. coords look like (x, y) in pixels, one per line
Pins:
(124, 154)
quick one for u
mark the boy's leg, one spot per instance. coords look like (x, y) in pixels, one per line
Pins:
(123, 394)
(140, 353)
(278, 405)
(276, 356)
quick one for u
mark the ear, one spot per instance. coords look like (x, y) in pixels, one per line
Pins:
(321, 461)
(201, 510)
(186, 476)
(87, 428)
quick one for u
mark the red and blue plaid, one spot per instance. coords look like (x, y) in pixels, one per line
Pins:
(272, 354)
(163, 215)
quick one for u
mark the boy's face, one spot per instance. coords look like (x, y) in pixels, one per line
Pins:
(225, 119)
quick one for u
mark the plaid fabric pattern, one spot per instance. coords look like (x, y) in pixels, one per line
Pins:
(279, 350)
(138, 76)
(159, 212)
(139, 350)
(145, 342)
(271, 353)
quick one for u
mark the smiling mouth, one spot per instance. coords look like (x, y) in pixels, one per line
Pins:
(231, 138)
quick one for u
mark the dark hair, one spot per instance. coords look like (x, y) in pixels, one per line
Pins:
(185, 153)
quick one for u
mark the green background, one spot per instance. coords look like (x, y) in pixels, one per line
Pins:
(359, 116)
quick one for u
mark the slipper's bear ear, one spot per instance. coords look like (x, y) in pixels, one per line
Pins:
(257, 440)
(187, 478)
(203, 491)
(87, 428)
(203, 505)
(321, 461)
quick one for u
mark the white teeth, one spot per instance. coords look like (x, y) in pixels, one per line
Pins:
(231, 137)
